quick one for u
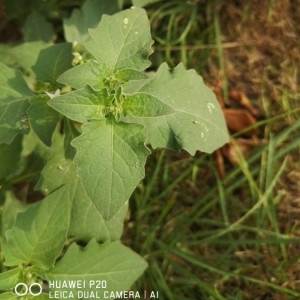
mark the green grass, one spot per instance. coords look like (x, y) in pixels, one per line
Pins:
(207, 237)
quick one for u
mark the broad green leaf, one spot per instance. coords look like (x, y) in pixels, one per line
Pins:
(82, 105)
(14, 95)
(37, 28)
(112, 262)
(9, 157)
(90, 73)
(118, 159)
(122, 40)
(42, 118)
(9, 279)
(145, 105)
(76, 27)
(27, 53)
(39, 233)
(87, 221)
(53, 61)
(198, 122)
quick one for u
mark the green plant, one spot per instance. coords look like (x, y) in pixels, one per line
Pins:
(85, 149)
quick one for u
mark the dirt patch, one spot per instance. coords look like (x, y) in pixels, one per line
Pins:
(266, 58)
(264, 64)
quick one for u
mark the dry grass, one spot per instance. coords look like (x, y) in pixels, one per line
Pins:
(255, 51)
(265, 65)
(268, 55)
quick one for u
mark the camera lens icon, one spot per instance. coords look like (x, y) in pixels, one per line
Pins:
(22, 289)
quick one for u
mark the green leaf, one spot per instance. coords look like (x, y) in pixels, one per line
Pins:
(87, 221)
(122, 40)
(37, 28)
(27, 53)
(110, 159)
(198, 122)
(42, 118)
(76, 27)
(9, 279)
(145, 105)
(39, 233)
(82, 105)
(9, 157)
(112, 263)
(53, 61)
(90, 73)
(14, 96)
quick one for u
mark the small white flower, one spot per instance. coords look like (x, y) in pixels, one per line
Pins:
(57, 93)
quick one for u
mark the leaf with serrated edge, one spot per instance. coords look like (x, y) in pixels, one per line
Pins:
(14, 101)
(110, 159)
(40, 232)
(198, 122)
(82, 105)
(112, 262)
(145, 105)
(122, 40)
(86, 219)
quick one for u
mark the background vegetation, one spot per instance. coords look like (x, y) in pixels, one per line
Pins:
(221, 226)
